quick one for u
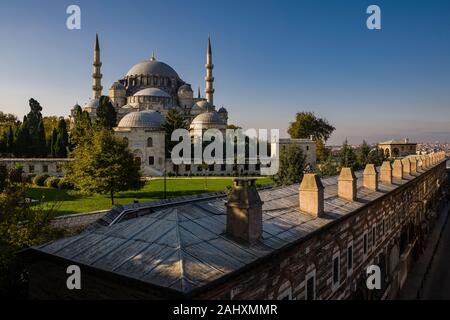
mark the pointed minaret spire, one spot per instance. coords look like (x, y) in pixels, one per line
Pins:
(209, 75)
(199, 96)
(153, 58)
(97, 75)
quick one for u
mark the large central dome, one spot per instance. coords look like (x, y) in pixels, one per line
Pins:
(153, 67)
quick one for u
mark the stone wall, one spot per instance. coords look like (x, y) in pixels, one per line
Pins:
(52, 167)
(394, 228)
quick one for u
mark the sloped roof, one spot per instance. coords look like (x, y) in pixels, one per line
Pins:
(184, 247)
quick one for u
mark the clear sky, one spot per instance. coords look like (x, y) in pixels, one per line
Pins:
(272, 59)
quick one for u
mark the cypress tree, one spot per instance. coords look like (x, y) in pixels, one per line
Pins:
(53, 142)
(106, 114)
(10, 140)
(62, 140)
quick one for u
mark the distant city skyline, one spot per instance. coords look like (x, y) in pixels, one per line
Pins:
(272, 59)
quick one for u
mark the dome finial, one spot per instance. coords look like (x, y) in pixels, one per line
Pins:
(153, 58)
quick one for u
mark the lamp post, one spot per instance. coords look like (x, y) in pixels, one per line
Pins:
(165, 178)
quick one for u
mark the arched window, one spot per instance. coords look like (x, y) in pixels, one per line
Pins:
(125, 140)
(149, 142)
(151, 160)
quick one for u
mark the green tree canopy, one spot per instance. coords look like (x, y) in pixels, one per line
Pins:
(306, 124)
(292, 164)
(104, 165)
(81, 129)
(362, 155)
(106, 114)
(61, 143)
(347, 157)
(376, 156)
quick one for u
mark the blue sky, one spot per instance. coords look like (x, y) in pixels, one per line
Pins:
(272, 59)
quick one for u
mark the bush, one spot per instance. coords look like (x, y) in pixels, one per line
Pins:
(65, 184)
(40, 180)
(52, 182)
(29, 178)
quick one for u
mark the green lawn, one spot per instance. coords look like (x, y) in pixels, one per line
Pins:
(69, 202)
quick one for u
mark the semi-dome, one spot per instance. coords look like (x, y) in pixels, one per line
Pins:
(117, 86)
(91, 105)
(207, 120)
(185, 88)
(153, 67)
(152, 92)
(202, 105)
(142, 119)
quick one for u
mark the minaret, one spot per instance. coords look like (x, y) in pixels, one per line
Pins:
(97, 75)
(209, 75)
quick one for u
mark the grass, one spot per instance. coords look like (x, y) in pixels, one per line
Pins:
(70, 202)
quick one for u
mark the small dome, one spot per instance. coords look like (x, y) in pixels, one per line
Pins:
(153, 67)
(91, 105)
(142, 119)
(185, 89)
(151, 92)
(117, 86)
(223, 110)
(203, 105)
(207, 120)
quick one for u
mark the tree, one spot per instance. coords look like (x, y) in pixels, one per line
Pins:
(49, 124)
(52, 143)
(376, 156)
(322, 152)
(21, 226)
(347, 156)
(82, 128)
(37, 145)
(22, 140)
(174, 120)
(292, 164)
(10, 140)
(362, 155)
(306, 124)
(106, 114)
(328, 167)
(61, 143)
(103, 164)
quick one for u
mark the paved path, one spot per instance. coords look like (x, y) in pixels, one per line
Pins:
(412, 286)
(437, 284)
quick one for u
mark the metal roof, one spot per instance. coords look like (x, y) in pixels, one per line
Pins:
(184, 247)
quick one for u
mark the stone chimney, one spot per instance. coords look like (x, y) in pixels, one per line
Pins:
(406, 167)
(370, 177)
(347, 184)
(311, 195)
(413, 163)
(386, 172)
(424, 162)
(244, 211)
(397, 169)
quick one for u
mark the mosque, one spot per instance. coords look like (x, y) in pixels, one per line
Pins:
(142, 99)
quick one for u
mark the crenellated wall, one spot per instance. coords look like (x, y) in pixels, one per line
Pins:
(388, 232)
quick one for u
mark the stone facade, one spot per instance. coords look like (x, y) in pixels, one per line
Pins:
(52, 167)
(308, 146)
(398, 148)
(147, 147)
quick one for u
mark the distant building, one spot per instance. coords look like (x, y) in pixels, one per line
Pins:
(398, 148)
(308, 147)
